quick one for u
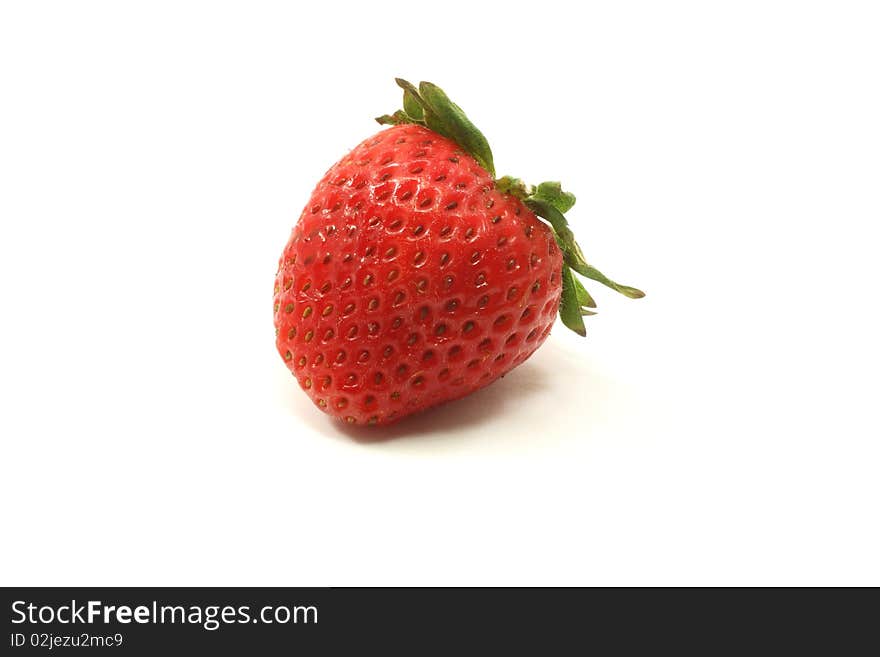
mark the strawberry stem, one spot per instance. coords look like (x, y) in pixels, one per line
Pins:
(429, 106)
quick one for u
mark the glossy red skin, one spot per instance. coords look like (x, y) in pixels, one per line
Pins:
(410, 280)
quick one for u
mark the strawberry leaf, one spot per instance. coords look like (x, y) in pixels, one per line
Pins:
(551, 192)
(449, 120)
(413, 107)
(625, 290)
(412, 103)
(569, 308)
(546, 205)
(564, 237)
(584, 298)
(398, 118)
(511, 185)
(431, 107)
(571, 252)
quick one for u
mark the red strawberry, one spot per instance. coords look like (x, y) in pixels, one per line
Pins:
(414, 277)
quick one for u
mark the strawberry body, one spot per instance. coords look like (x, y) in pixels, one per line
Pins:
(411, 280)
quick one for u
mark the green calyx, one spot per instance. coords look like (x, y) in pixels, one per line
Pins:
(430, 107)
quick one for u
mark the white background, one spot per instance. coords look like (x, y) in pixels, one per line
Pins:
(723, 430)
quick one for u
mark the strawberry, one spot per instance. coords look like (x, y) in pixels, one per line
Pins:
(414, 276)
